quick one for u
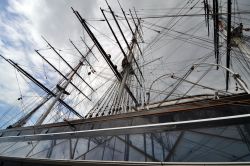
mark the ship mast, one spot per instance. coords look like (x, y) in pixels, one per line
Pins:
(128, 58)
(60, 89)
(223, 27)
(43, 87)
(60, 93)
(229, 10)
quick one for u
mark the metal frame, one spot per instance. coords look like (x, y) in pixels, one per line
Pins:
(201, 123)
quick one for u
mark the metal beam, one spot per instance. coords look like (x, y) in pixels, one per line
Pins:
(52, 145)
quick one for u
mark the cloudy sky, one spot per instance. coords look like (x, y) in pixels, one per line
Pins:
(23, 22)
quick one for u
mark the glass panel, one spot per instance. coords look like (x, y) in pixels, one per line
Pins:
(137, 140)
(135, 155)
(208, 144)
(95, 153)
(177, 149)
(42, 154)
(229, 131)
(5, 145)
(15, 146)
(109, 149)
(61, 150)
(199, 148)
(92, 143)
(246, 157)
(168, 141)
(40, 149)
(21, 149)
(237, 150)
(158, 149)
(119, 148)
(136, 148)
(81, 147)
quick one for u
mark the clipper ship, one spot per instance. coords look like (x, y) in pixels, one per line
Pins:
(140, 112)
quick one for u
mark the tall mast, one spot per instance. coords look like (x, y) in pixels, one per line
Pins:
(25, 118)
(125, 55)
(61, 74)
(229, 10)
(124, 38)
(216, 29)
(39, 84)
(90, 50)
(128, 68)
(129, 58)
(61, 91)
(67, 63)
(124, 14)
(104, 54)
(123, 52)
